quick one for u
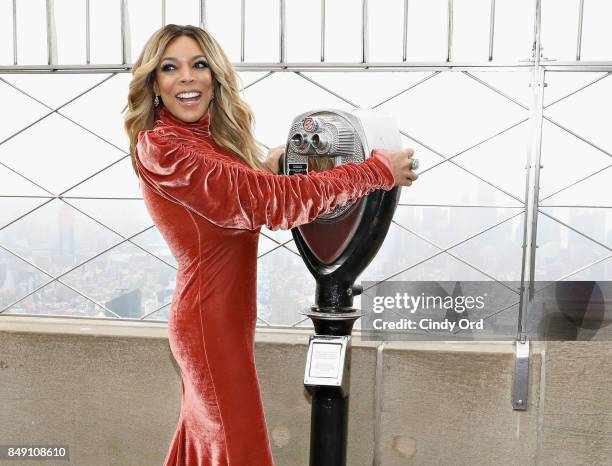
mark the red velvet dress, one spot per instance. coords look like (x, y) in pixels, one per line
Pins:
(209, 206)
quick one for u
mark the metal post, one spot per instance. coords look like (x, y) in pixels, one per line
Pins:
(530, 231)
(491, 29)
(51, 34)
(364, 31)
(449, 31)
(405, 45)
(322, 30)
(579, 40)
(282, 33)
(15, 32)
(242, 27)
(87, 34)
(203, 14)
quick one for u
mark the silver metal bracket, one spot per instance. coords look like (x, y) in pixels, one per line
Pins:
(328, 362)
(520, 387)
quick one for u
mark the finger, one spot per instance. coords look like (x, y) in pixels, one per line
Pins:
(412, 176)
(410, 152)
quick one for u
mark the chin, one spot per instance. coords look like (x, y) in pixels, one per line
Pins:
(188, 116)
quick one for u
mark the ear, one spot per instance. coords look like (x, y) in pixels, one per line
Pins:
(155, 89)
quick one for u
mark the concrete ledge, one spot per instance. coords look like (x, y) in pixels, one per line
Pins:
(111, 391)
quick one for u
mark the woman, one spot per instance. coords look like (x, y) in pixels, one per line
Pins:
(209, 194)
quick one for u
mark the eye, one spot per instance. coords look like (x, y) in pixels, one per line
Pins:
(167, 67)
(201, 64)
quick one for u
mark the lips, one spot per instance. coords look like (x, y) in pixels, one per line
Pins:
(188, 97)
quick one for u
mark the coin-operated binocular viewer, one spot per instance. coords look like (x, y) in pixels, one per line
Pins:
(336, 248)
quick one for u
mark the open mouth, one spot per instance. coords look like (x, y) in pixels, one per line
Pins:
(189, 97)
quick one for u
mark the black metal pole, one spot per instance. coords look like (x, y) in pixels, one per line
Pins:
(329, 412)
(329, 427)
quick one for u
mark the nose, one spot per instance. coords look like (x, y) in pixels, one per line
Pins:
(186, 75)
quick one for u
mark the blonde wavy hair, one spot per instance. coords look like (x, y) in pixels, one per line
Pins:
(231, 119)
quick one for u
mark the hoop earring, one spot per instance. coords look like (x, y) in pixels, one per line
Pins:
(156, 101)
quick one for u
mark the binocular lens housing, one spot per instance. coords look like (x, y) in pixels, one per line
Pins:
(299, 141)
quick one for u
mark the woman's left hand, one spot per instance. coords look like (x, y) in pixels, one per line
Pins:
(273, 158)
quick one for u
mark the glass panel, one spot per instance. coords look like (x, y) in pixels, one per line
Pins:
(262, 31)
(602, 270)
(161, 315)
(58, 300)
(594, 191)
(471, 25)
(105, 24)
(515, 84)
(125, 279)
(32, 48)
(386, 30)
(502, 160)
(560, 151)
(498, 251)
(560, 84)
(441, 267)
(342, 31)
(587, 113)
(50, 153)
(65, 86)
(124, 217)
(153, 242)
(14, 184)
(17, 279)
(467, 189)
(24, 110)
(427, 25)
(596, 223)
(596, 32)
(56, 237)
(6, 33)
(248, 77)
(70, 25)
(100, 110)
(367, 89)
(303, 38)
(145, 17)
(452, 112)
(183, 12)
(12, 208)
(561, 250)
(280, 236)
(223, 22)
(400, 250)
(445, 226)
(284, 287)
(265, 245)
(117, 181)
(559, 31)
(514, 21)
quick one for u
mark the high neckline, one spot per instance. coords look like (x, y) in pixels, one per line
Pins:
(200, 127)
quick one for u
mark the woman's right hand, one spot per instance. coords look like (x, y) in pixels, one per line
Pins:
(400, 163)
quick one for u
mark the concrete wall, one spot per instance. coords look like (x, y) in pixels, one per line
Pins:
(111, 391)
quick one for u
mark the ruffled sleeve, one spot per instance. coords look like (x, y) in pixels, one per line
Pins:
(233, 195)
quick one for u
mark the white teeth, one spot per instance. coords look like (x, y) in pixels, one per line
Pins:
(187, 95)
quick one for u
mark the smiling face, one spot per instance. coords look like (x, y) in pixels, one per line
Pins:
(183, 79)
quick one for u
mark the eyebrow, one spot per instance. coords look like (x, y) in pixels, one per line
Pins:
(175, 59)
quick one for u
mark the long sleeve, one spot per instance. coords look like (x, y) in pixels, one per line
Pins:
(233, 195)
